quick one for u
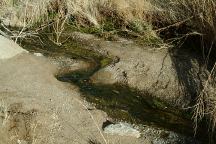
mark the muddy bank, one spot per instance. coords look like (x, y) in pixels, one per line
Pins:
(36, 108)
(172, 74)
(119, 99)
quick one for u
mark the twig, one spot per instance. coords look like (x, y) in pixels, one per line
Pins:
(199, 111)
(24, 23)
(92, 117)
(4, 34)
(175, 24)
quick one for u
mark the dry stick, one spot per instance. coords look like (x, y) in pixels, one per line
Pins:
(63, 23)
(24, 23)
(93, 120)
(58, 27)
(175, 24)
(199, 101)
(44, 26)
(5, 28)
(4, 34)
(62, 27)
(209, 52)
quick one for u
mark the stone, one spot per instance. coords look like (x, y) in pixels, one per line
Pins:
(9, 49)
(38, 54)
(122, 129)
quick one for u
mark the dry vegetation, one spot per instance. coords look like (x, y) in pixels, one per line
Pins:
(139, 16)
(103, 15)
(110, 15)
(199, 14)
(31, 11)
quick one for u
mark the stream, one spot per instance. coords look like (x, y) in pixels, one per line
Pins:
(120, 102)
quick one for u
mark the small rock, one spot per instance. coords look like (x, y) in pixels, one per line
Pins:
(122, 129)
(38, 54)
(9, 48)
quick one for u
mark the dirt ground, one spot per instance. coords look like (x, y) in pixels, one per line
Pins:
(36, 108)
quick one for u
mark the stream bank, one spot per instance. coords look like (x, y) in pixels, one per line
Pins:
(120, 101)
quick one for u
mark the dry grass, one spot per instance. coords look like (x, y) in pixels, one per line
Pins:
(31, 13)
(23, 12)
(14, 11)
(199, 15)
(206, 104)
(201, 12)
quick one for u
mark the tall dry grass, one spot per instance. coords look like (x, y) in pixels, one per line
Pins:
(23, 12)
(119, 14)
(199, 15)
(16, 12)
